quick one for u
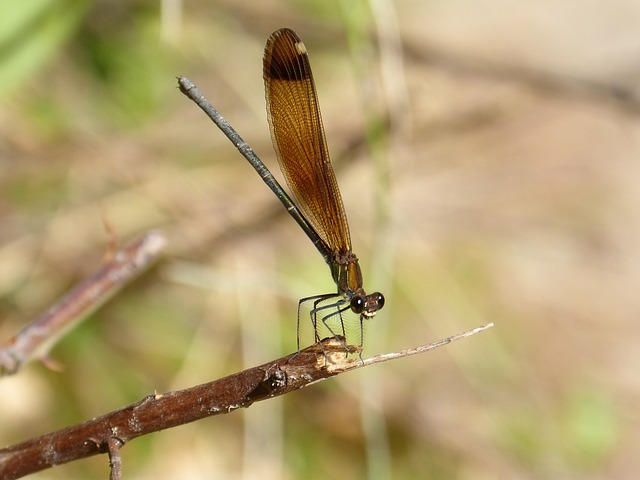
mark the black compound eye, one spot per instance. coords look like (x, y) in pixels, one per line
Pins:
(357, 304)
(380, 300)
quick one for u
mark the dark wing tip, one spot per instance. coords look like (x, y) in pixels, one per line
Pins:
(284, 54)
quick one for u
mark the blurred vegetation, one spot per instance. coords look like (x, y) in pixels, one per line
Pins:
(31, 32)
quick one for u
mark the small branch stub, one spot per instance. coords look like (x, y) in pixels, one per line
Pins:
(115, 460)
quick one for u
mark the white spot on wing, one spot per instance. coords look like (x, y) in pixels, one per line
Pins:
(300, 48)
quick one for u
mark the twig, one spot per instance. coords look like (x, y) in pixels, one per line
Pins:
(194, 94)
(160, 412)
(35, 340)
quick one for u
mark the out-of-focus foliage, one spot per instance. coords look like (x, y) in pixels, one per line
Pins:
(31, 32)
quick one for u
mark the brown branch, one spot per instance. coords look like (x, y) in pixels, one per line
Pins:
(35, 340)
(159, 412)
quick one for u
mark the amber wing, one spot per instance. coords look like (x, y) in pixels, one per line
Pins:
(298, 138)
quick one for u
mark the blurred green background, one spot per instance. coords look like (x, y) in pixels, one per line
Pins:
(487, 153)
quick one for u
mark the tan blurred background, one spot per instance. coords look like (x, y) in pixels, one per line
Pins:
(488, 155)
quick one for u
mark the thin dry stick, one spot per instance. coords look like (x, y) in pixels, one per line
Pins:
(159, 412)
(35, 340)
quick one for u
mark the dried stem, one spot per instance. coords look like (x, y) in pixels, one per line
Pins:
(159, 412)
(35, 340)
